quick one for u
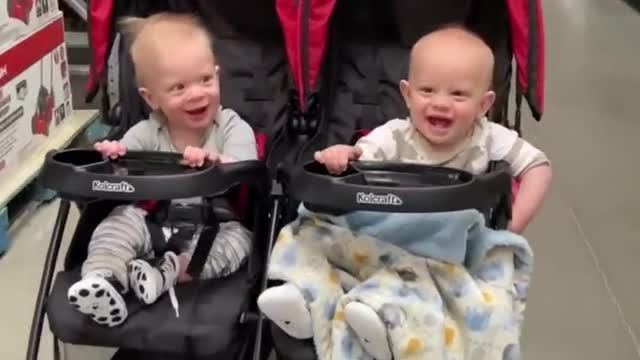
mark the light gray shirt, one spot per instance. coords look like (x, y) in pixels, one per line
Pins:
(229, 135)
(399, 140)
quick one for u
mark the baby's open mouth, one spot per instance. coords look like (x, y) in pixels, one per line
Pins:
(197, 111)
(439, 122)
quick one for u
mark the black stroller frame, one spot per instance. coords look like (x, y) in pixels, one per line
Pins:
(295, 109)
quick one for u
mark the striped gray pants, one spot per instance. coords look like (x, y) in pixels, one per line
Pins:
(123, 236)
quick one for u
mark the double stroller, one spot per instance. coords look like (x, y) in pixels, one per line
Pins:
(305, 74)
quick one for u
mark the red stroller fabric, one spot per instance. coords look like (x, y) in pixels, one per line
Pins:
(100, 17)
(527, 31)
(305, 25)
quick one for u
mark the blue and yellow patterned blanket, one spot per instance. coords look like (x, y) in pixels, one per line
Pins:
(444, 285)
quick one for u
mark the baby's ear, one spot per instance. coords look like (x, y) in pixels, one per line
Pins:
(487, 102)
(404, 90)
(148, 98)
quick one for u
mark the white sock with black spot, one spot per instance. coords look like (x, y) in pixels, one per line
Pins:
(286, 307)
(369, 328)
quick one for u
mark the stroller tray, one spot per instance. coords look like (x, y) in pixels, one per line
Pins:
(395, 187)
(140, 176)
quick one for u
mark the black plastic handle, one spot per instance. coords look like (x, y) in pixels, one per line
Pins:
(79, 173)
(395, 187)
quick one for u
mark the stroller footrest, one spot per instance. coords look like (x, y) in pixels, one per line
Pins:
(155, 328)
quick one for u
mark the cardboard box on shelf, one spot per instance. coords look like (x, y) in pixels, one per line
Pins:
(35, 94)
(20, 18)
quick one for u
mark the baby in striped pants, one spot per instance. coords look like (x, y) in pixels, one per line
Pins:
(177, 76)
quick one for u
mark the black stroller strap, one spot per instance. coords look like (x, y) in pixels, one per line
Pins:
(154, 220)
(158, 242)
(188, 223)
(178, 243)
(202, 250)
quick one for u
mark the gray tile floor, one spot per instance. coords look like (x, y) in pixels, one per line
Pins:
(583, 302)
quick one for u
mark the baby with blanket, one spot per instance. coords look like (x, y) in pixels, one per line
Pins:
(417, 286)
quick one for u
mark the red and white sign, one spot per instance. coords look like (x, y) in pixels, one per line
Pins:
(35, 93)
(20, 18)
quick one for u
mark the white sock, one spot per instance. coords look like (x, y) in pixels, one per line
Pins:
(369, 329)
(97, 298)
(150, 282)
(286, 307)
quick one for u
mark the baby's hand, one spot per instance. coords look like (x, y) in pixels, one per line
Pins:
(514, 229)
(337, 157)
(221, 159)
(195, 156)
(110, 149)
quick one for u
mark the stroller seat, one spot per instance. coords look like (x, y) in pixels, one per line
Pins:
(212, 314)
(209, 313)
(392, 187)
(285, 344)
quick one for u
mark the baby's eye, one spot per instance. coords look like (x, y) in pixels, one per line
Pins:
(207, 78)
(426, 90)
(177, 87)
(459, 94)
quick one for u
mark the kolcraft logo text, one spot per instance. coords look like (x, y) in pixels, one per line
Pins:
(105, 186)
(375, 199)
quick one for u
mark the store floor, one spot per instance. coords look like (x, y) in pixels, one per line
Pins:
(583, 304)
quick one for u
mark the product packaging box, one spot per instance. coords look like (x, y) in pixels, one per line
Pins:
(20, 18)
(35, 93)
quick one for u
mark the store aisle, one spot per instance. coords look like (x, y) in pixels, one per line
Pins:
(20, 272)
(583, 304)
(584, 300)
